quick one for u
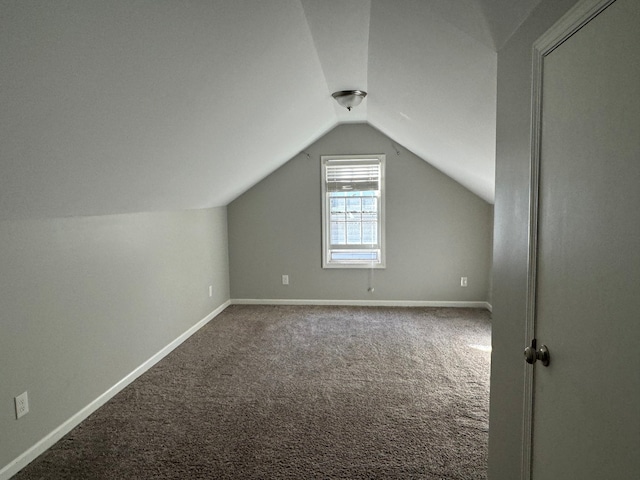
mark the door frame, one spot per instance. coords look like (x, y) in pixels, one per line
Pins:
(581, 14)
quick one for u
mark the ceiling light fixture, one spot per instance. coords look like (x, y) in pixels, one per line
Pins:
(349, 98)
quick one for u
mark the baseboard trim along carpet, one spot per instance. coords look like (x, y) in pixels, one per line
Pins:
(48, 441)
(360, 303)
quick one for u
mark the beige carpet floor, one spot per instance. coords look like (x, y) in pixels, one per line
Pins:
(298, 392)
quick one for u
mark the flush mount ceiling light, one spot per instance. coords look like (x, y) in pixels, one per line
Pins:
(349, 98)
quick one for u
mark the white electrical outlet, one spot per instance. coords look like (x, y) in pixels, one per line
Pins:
(463, 281)
(22, 405)
(285, 279)
(210, 290)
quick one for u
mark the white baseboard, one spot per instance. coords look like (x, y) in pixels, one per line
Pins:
(32, 453)
(361, 303)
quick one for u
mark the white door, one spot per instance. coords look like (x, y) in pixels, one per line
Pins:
(586, 402)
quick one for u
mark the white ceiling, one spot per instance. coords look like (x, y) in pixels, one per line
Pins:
(122, 106)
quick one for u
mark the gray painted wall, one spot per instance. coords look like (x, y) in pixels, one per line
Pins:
(86, 300)
(511, 239)
(436, 232)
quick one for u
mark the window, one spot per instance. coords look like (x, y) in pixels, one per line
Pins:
(353, 211)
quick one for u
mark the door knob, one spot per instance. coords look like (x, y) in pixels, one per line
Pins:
(531, 354)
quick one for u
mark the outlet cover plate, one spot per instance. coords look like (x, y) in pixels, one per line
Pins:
(22, 405)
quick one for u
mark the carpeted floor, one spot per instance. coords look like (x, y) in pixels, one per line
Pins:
(292, 392)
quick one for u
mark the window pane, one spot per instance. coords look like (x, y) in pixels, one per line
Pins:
(369, 204)
(337, 204)
(370, 233)
(338, 233)
(354, 234)
(371, 255)
(338, 217)
(354, 204)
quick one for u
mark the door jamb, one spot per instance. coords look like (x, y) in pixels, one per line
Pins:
(581, 14)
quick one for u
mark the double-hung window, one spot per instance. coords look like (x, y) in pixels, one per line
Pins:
(353, 211)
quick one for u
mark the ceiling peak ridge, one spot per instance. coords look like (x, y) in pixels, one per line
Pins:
(340, 33)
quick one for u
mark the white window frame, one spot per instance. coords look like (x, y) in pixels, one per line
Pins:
(327, 248)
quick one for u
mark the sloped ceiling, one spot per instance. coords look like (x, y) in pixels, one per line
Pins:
(127, 106)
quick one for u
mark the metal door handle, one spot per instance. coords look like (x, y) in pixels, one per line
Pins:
(531, 354)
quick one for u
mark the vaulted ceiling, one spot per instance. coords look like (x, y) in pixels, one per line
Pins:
(147, 105)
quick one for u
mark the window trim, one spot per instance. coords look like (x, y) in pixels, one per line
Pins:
(326, 244)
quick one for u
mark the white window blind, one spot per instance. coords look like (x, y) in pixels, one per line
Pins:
(348, 177)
